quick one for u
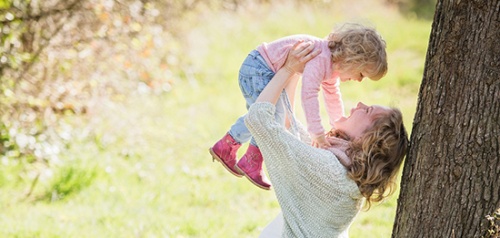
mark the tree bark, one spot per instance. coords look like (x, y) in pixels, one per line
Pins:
(451, 177)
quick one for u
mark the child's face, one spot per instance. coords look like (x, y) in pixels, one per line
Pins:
(353, 74)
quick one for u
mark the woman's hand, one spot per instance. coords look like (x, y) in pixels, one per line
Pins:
(299, 55)
(297, 58)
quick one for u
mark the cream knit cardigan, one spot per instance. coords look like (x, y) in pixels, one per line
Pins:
(315, 194)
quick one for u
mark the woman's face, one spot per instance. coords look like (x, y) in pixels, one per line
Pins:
(361, 119)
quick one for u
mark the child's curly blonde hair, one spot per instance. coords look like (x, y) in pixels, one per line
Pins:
(357, 47)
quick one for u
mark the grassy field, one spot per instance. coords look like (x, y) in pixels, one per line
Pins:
(146, 172)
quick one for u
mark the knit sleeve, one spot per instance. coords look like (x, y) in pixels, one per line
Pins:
(312, 187)
(286, 156)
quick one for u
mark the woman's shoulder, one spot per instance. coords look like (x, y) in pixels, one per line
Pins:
(337, 176)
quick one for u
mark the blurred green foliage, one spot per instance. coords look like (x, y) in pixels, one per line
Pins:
(423, 9)
(493, 230)
(59, 58)
(137, 151)
(62, 58)
(68, 180)
(61, 61)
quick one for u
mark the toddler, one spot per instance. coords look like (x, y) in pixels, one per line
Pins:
(351, 52)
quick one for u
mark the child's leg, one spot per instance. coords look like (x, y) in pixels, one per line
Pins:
(254, 76)
(251, 163)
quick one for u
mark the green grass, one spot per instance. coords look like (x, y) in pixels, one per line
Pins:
(146, 171)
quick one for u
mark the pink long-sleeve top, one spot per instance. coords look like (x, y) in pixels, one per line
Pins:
(318, 74)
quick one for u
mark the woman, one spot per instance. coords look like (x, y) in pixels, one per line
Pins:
(320, 191)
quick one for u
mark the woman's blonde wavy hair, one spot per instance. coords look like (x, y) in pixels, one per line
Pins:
(377, 156)
(357, 47)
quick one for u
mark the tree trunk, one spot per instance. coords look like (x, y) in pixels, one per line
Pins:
(451, 177)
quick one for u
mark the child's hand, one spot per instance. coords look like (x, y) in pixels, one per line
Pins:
(320, 141)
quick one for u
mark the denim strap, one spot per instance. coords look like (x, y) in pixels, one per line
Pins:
(289, 113)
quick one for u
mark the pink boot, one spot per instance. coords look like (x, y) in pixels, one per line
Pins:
(224, 151)
(250, 165)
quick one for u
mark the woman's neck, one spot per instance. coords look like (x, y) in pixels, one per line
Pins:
(338, 134)
(339, 149)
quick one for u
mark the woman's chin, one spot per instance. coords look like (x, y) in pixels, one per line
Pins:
(341, 119)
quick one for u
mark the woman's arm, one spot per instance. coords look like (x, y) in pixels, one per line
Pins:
(273, 139)
(286, 77)
(260, 118)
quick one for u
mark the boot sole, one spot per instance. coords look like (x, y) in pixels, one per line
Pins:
(216, 157)
(246, 176)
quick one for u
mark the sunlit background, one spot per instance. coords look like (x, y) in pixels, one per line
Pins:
(108, 108)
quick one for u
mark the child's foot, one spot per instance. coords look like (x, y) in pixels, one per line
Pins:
(224, 151)
(250, 165)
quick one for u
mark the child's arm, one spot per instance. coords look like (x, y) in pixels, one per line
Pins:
(333, 100)
(311, 83)
(334, 106)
